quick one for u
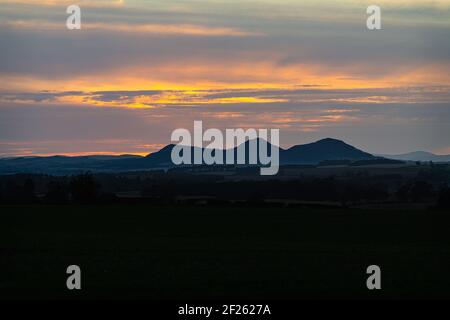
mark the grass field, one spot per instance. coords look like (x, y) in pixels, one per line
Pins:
(213, 252)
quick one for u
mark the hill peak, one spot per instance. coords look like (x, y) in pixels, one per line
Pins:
(330, 140)
(324, 149)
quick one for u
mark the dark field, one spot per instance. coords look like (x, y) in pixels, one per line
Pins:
(219, 252)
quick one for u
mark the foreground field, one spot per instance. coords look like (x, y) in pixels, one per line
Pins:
(215, 252)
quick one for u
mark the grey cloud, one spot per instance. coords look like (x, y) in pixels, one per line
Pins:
(337, 45)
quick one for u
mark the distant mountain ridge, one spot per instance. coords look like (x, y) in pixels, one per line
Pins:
(311, 153)
(418, 156)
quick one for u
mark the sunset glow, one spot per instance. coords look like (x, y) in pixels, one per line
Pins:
(312, 70)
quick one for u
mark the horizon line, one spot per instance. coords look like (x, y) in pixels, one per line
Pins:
(144, 154)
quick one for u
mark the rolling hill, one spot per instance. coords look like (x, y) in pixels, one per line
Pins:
(419, 156)
(312, 153)
(325, 149)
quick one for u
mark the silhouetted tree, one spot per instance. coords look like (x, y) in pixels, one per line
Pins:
(376, 192)
(57, 192)
(28, 193)
(14, 192)
(403, 193)
(83, 188)
(421, 190)
(444, 197)
(11, 192)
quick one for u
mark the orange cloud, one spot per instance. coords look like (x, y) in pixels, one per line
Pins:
(191, 82)
(158, 29)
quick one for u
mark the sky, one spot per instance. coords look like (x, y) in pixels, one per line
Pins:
(137, 70)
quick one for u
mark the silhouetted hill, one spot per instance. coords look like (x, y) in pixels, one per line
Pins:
(312, 153)
(322, 150)
(163, 157)
(419, 156)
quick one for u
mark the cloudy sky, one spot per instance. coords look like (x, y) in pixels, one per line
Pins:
(139, 69)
